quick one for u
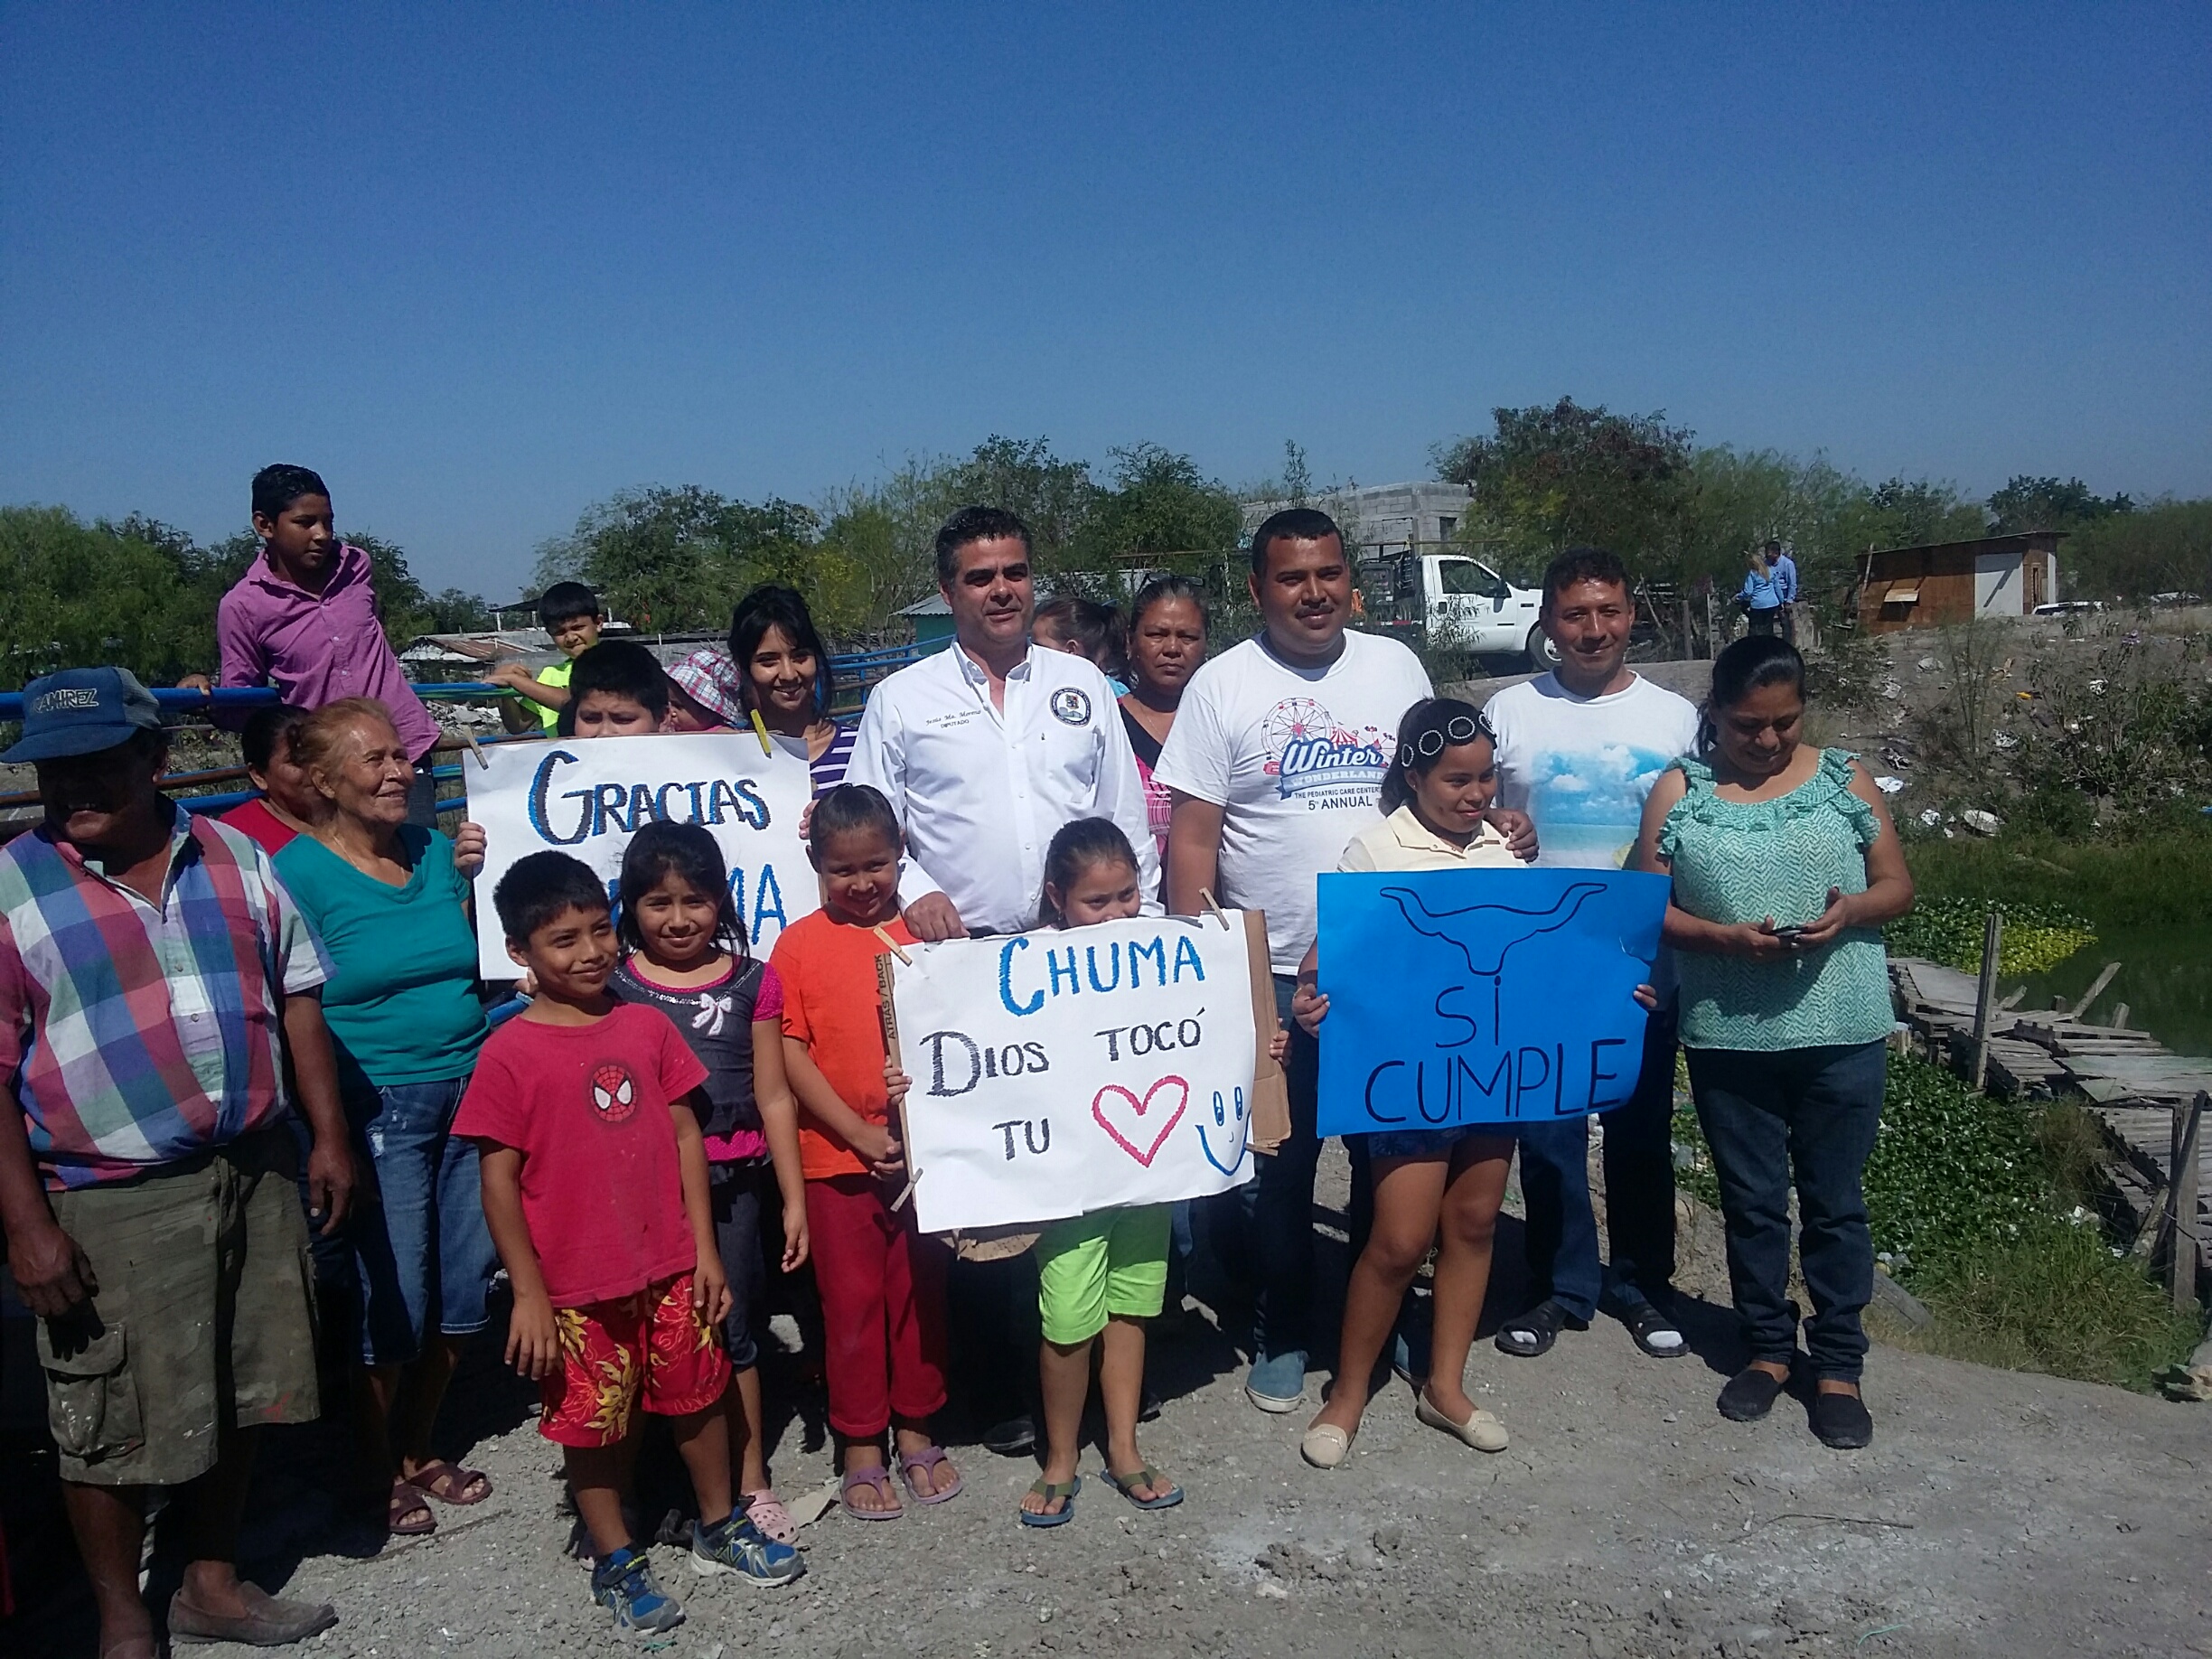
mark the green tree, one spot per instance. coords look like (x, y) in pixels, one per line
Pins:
(676, 558)
(2164, 547)
(81, 593)
(2028, 503)
(1549, 477)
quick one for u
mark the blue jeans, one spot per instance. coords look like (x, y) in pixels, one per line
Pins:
(1273, 1211)
(1808, 1114)
(1639, 1176)
(422, 1253)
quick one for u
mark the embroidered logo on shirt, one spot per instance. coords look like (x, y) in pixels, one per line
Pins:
(613, 1091)
(1071, 707)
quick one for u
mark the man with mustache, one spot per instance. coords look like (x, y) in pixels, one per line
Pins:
(984, 751)
(1275, 762)
(155, 979)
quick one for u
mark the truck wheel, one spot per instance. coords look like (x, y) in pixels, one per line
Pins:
(1542, 653)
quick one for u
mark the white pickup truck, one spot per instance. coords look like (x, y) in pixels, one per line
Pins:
(1456, 603)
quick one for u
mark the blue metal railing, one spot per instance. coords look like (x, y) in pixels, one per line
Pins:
(866, 667)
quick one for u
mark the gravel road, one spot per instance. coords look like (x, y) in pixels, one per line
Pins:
(1997, 1512)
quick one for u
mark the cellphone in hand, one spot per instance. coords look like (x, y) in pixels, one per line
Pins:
(1790, 930)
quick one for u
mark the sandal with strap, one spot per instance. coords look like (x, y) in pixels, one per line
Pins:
(878, 1477)
(1533, 1333)
(1126, 1485)
(1649, 1326)
(449, 1483)
(765, 1511)
(1064, 1490)
(404, 1500)
(928, 1458)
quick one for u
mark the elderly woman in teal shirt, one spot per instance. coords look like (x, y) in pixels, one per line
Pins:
(388, 901)
(1786, 866)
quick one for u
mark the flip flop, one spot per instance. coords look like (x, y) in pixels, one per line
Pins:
(446, 1481)
(1049, 1490)
(407, 1499)
(1145, 1476)
(928, 1458)
(878, 1477)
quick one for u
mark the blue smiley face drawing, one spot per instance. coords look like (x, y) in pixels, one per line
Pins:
(1231, 1126)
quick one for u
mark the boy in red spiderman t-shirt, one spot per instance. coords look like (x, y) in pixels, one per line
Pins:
(595, 1184)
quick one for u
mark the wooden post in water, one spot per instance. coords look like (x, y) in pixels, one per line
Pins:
(2181, 1222)
(1985, 994)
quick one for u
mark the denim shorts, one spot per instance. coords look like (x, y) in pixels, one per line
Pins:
(1425, 1143)
(422, 1252)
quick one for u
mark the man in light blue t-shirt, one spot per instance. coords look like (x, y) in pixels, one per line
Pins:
(1578, 750)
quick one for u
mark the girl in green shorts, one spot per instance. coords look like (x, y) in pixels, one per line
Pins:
(1104, 1272)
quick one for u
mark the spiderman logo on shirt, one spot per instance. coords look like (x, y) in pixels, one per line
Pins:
(613, 1091)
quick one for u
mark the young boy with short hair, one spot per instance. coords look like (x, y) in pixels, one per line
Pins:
(571, 611)
(304, 619)
(618, 689)
(595, 1184)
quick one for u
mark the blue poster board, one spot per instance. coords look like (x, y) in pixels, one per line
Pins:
(1482, 995)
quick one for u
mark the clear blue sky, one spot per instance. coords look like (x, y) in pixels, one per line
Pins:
(484, 264)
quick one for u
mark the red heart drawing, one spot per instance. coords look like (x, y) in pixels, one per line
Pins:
(1141, 1108)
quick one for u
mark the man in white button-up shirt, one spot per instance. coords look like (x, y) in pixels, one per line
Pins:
(984, 751)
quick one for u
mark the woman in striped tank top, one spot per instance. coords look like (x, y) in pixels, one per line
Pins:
(785, 673)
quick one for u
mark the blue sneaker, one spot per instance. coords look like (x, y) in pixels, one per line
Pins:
(622, 1583)
(736, 1545)
(1277, 1381)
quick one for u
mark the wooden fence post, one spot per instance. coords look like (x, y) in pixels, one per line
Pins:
(1985, 994)
(2181, 1224)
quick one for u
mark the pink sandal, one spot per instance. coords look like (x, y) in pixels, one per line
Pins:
(766, 1512)
(927, 1460)
(878, 1479)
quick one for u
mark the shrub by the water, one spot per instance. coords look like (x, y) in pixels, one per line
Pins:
(1949, 931)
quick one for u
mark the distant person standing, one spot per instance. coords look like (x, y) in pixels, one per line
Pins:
(1783, 569)
(155, 980)
(1578, 749)
(1761, 596)
(304, 619)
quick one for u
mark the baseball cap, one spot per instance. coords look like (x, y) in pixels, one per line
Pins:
(710, 679)
(82, 711)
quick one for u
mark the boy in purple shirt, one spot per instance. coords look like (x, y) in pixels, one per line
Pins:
(303, 618)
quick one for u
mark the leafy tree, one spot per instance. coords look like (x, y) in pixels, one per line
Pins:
(1551, 477)
(676, 558)
(2164, 547)
(1297, 478)
(2028, 503)
(81, 593)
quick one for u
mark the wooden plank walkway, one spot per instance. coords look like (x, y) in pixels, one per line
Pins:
(2127, 1078)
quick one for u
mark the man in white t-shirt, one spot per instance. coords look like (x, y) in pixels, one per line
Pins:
(1274, 762)
(1578, 750)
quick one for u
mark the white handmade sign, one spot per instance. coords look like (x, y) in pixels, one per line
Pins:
(587, 799)
(1058, 1073)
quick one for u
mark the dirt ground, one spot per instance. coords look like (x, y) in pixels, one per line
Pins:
(1996, 1512)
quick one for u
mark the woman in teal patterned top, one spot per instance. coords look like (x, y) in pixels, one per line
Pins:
(1786, 866)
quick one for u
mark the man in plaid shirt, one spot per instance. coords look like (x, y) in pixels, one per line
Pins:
(155, 976)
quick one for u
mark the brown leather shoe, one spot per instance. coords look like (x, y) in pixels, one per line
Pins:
(267, 1623)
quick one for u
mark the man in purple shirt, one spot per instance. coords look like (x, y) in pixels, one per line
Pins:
(303, 617)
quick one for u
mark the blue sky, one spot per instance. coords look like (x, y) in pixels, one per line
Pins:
(484, 264)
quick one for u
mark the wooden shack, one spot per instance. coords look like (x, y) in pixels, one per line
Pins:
(1957, 581)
